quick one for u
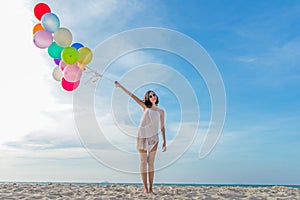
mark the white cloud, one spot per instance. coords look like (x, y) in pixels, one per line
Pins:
(246, 59)
(23, 82)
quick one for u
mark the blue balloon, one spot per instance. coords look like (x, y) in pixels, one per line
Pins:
(77, 45)
(50, 22)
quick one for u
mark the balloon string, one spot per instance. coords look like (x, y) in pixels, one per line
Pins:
(98, 75)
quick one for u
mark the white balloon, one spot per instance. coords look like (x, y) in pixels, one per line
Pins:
(57, 74)
(63, 37)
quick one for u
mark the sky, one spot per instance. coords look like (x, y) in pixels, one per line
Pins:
(45, 134)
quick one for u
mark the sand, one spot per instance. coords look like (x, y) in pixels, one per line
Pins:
(125, 191)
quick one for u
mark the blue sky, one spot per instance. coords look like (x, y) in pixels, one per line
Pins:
(254, 44)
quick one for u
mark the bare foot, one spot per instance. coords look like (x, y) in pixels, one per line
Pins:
(151, 192)
(145, 190)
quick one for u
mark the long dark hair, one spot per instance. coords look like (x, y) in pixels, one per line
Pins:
(147, 100)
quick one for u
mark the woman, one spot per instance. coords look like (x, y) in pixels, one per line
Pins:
(147, 140)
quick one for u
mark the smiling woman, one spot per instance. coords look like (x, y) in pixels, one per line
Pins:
(147, 139)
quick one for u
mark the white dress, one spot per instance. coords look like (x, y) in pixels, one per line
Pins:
(148, 130)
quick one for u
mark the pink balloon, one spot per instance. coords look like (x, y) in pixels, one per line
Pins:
(62, 65)
(42, 39)
(69, 86)
(72, 73)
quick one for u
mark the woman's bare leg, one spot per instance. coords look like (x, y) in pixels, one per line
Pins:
(151, 158)
(143, 169)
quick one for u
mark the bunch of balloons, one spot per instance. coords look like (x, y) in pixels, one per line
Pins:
(70, 58)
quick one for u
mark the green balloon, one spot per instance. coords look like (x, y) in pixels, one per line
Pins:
(54, 50)
(69, 55)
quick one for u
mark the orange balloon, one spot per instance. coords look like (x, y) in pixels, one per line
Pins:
(37, 27)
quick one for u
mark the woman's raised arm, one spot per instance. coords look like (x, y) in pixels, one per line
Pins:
(140, 102)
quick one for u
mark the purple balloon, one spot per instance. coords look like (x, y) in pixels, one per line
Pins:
(42, 39)
(57, 61)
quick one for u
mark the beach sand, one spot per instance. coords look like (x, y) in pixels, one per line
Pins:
(128, 191)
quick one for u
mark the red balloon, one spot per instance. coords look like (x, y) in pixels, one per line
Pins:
(69, 86)
(40, 9)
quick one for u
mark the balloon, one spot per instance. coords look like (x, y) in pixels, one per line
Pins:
(63, 37)
(42, 39)
(50, 22)
(62, 65)
(57, 74)
(37, 27)
(54, 50)
(69, 86)
(40, 9)
(85, 55)
(77, 45)
(69, 55)
(72, 73)
(57, 61)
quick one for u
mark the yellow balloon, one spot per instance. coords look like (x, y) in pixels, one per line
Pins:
(85, 55)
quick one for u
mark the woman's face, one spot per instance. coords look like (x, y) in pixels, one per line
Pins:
(152, 98)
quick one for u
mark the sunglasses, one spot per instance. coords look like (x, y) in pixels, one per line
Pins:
(150, 96)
